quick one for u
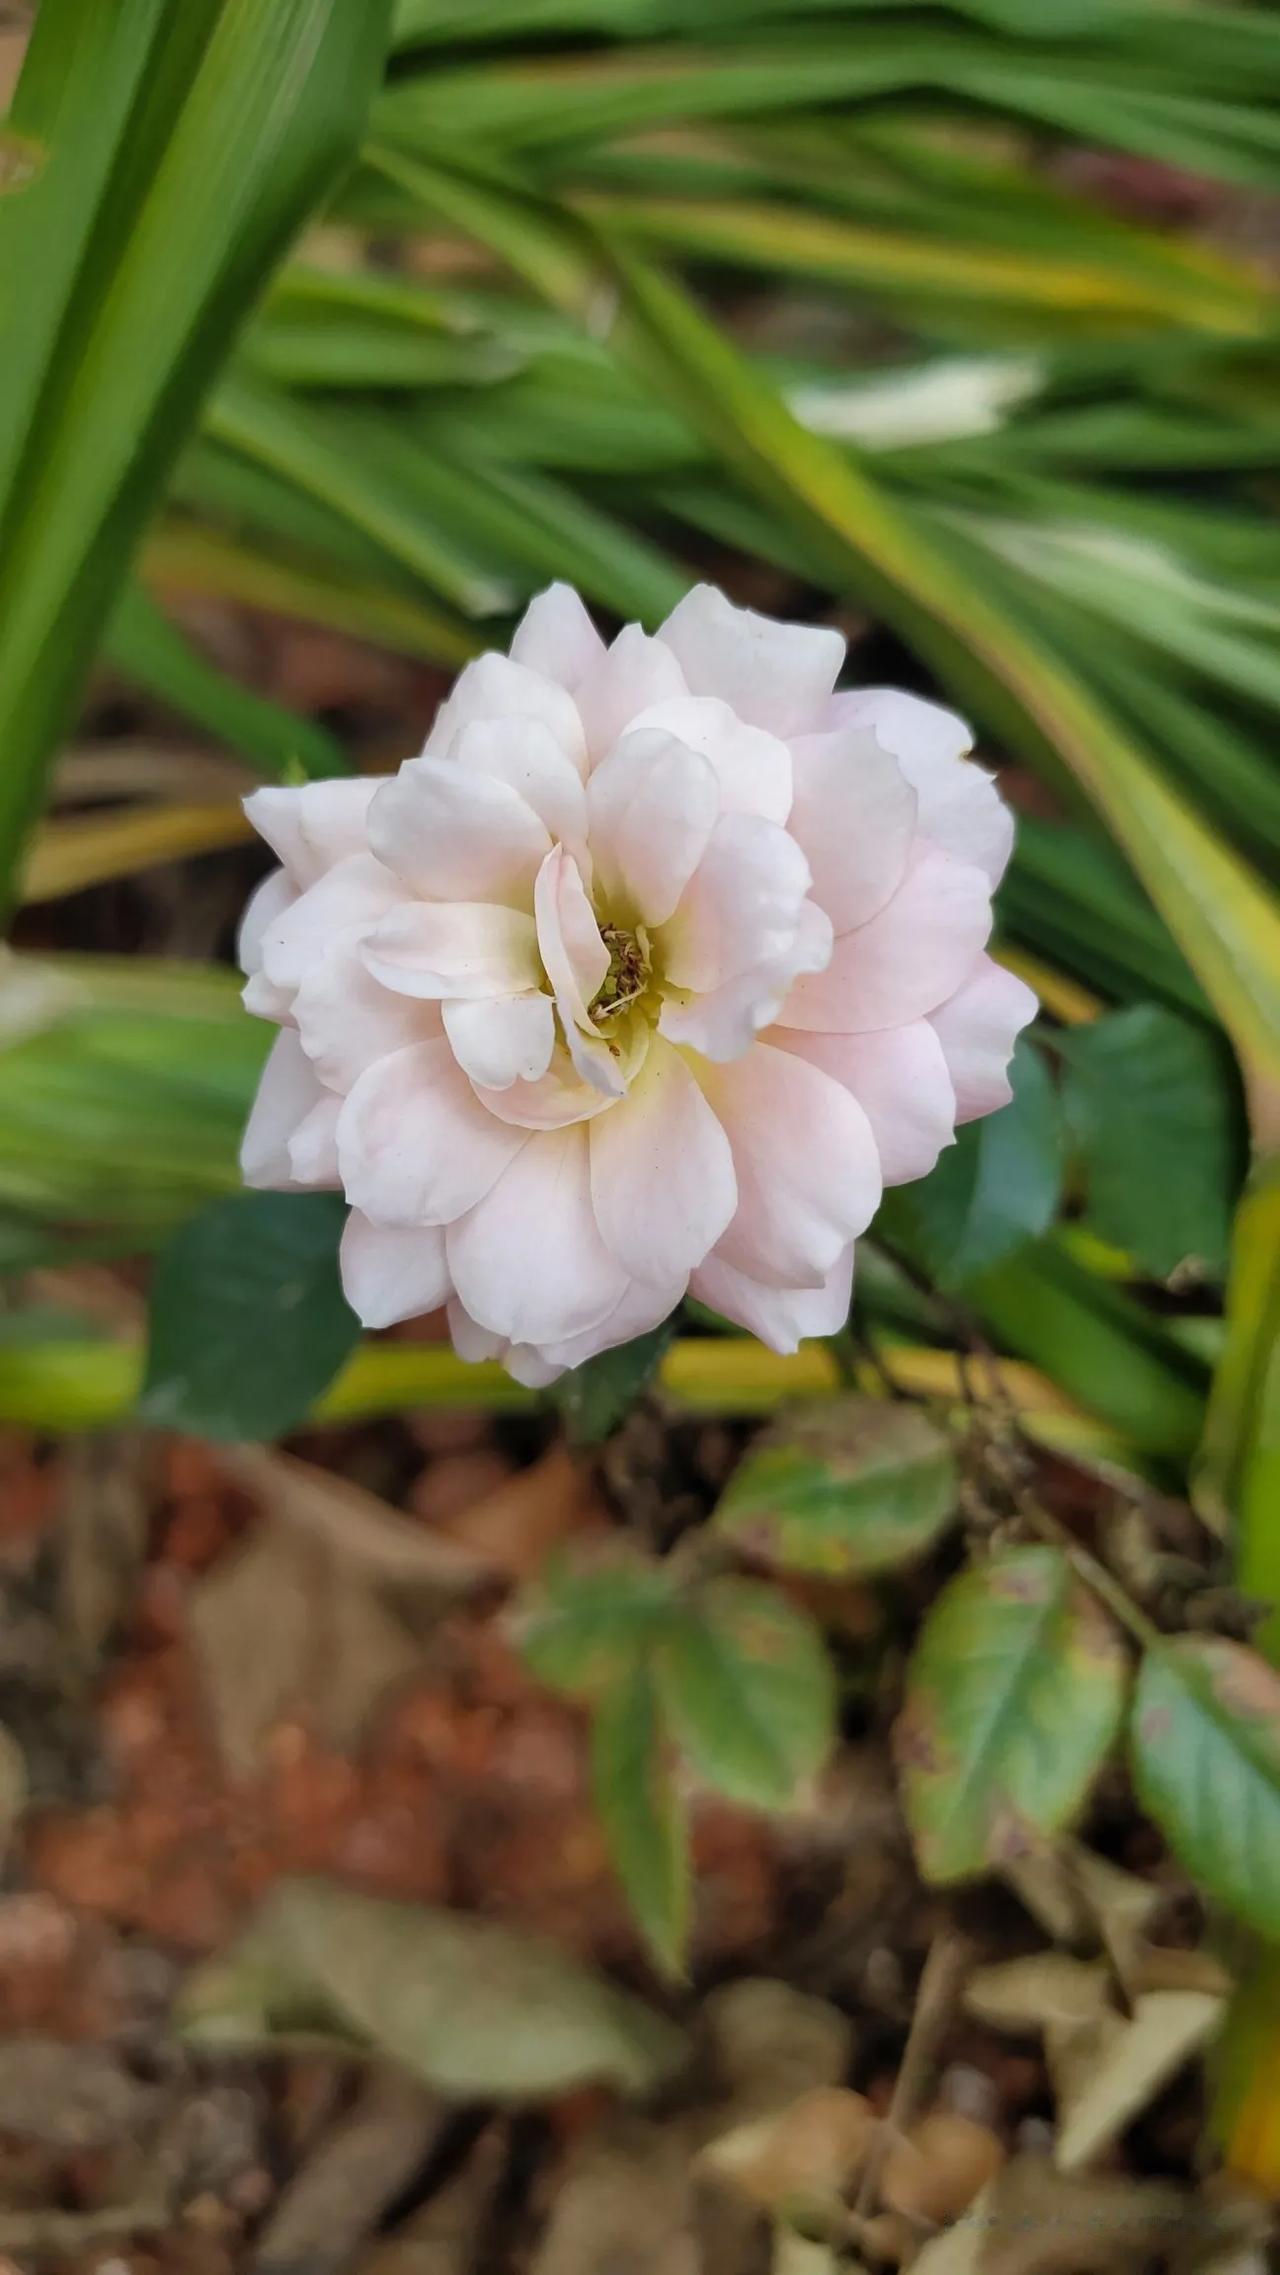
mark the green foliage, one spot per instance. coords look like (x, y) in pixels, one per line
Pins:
(248, 1320)
(852, 1487)
(998, 1186)
(1014, 1695)
(1149, 1103)
(476, 2010)
(1206, 1761)
(180, 150)
(721, 1679)
(596, 1397)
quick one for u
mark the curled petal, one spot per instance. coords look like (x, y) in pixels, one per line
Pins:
(960, 806)
(441, 949)
(899, 1078)
(494, 687)
(391, 1273)
(314, 826)
(907, 960)
(752, 767)
(662, 1181)
(778, 676)
(346, 1018)
(528, 1262)
(742, 908)
(781, 1317)
(652, 805)
(573, 954)
(508, 1039)
(632, 674)
(271, 901)
(808, 1171)
(287, 1093)
(350, 897)
(561, 1096)
(525, 755)
(453, 834)
(415, 1146)
(556, 637)
(313, 1148)
(977, 1028)
(854, 815)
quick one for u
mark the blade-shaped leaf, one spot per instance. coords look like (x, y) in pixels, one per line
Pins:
(183, 146)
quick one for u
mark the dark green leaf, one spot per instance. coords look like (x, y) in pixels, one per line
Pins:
(854, 1485)
(1152, 1104)
(746, 1689)
(248, 1320)
(596, 1397)
(997, 1187)
(1013, 1698)
(477, 2010)
(1206, 1762)
(642, 1813)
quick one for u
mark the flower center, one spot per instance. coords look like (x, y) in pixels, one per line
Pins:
(629, 970)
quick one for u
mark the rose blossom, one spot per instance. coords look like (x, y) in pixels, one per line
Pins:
(645, 977)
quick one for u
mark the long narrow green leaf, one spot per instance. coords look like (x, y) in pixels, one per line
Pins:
(184, 145)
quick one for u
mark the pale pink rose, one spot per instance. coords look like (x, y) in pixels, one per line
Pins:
(650, 972)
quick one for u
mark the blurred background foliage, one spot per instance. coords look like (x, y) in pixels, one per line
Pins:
(956, 324)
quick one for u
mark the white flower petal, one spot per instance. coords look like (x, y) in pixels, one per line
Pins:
(662, 1180)
(573, 954)
(313, 1148)
(642, 1308)
(651, 806)
(266, 904)
(441, 949)
(346, 1019)
(632, 674)
(724, 1022)
(977, 1028)
(854, 814)
(509, 1039)
(899, 1078)
(314, 826)
(742, 908)
(415, 1145)
(808, 1171)
(960, 807)
(556, 637)
(562, 1096)
(453, 834)
(287, 1092)
(390, 1272)
(907, 960)
(525, 755)
(529, 1262)
(752, 766)
(781, 1317)
(774, 675)
(494, 687)
(351, 896)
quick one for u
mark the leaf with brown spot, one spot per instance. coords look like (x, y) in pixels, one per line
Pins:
(1205, 1743)
(851, 1486)
(1013, 1698)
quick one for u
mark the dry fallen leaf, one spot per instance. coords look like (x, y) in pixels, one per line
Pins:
(474, 2009)
(1025, 1996)
(323, 1610)
(934, 2172)
(357, 2168)
(772, 2042)
(442, 2237)
(804, 2154)
(1033, 2220)
(1109, 2071)
(623, 2204)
